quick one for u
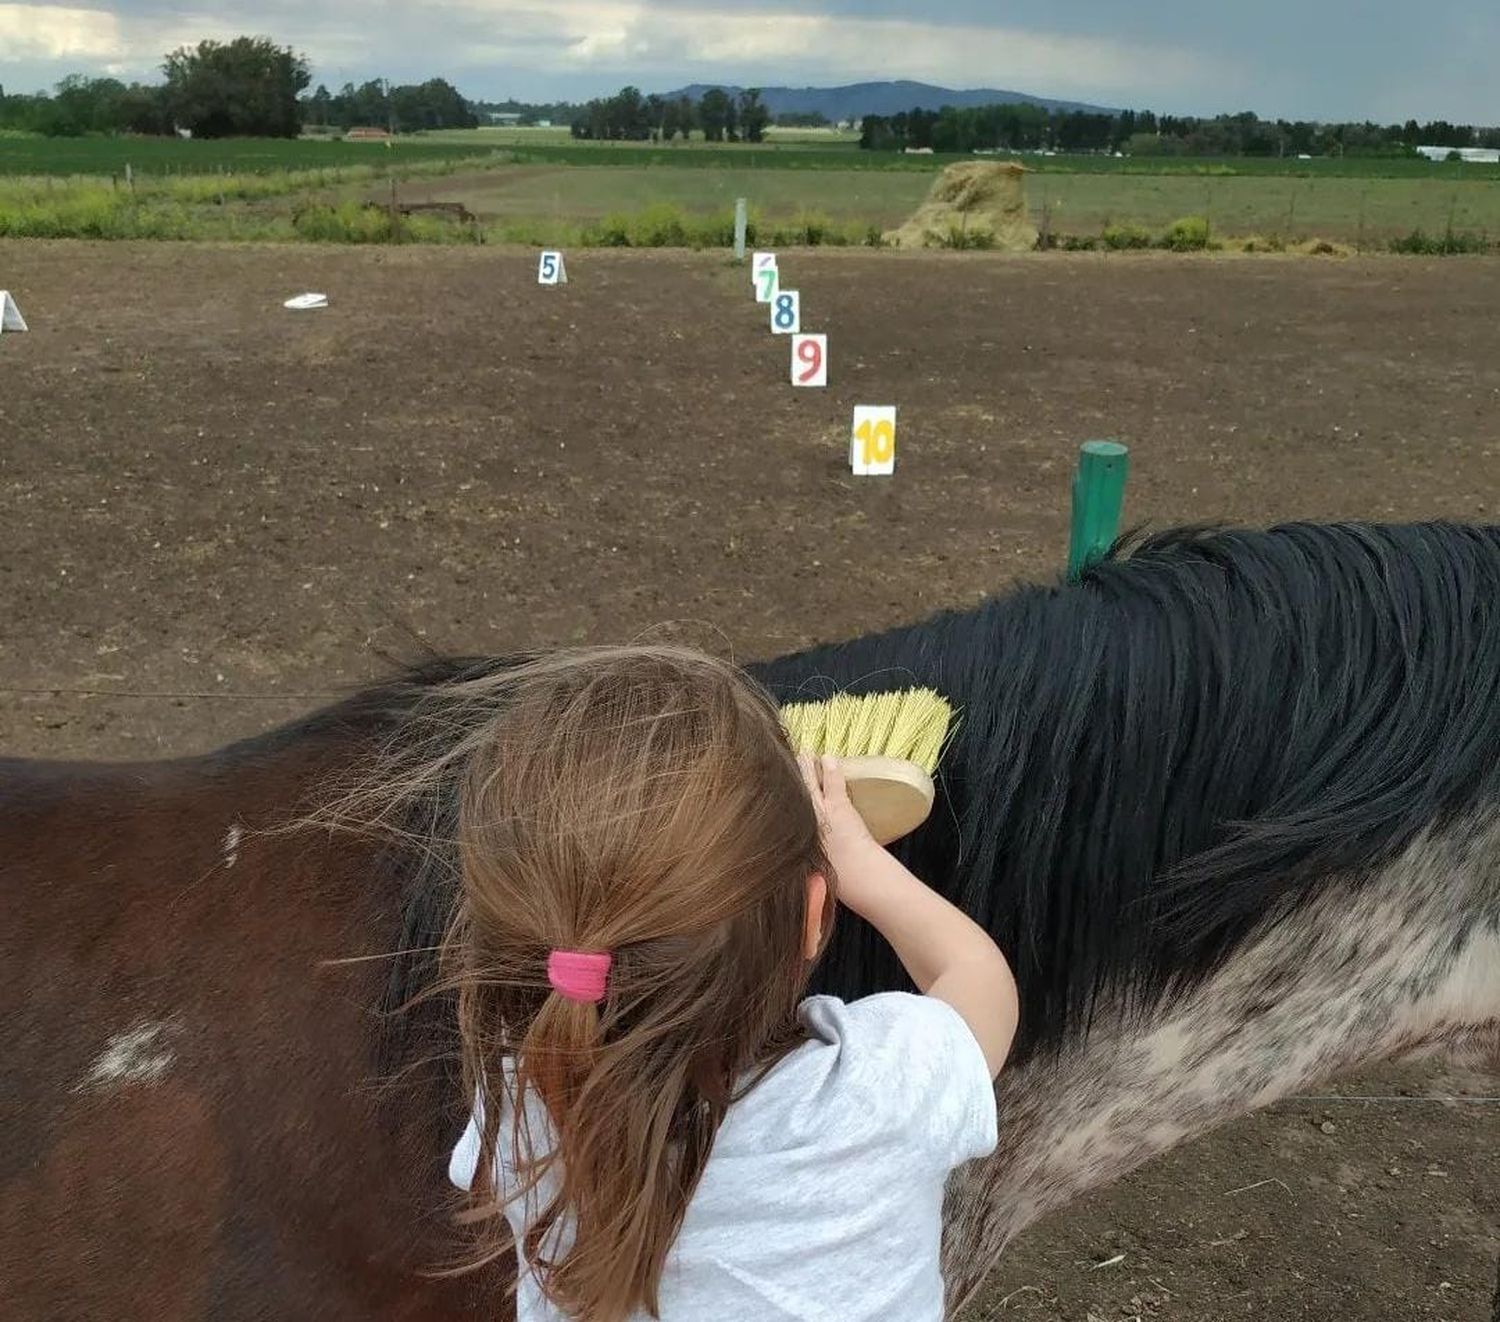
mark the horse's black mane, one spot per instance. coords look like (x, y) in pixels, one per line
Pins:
(1151, 761)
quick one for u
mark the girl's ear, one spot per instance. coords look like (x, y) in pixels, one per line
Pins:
(817, 902)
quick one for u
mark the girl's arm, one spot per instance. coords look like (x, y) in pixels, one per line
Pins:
(947, 954)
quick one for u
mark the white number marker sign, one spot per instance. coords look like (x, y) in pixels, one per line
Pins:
(786, 312)
(764, 277)
(10, 315)
(551, 270)
(809, 360)
(872, 440)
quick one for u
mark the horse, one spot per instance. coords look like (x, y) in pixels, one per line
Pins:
(1230, 803)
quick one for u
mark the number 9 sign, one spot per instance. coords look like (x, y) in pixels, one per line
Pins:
(872, 441)
(809, 360)
(786, 313)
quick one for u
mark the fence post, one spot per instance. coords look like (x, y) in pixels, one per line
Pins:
(739, 229)
(1098, 493)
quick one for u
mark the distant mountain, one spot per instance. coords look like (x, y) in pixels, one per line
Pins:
(860, 99)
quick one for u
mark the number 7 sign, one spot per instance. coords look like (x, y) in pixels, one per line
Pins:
(809, 360)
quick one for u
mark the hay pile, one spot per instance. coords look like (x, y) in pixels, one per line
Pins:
(979, 204)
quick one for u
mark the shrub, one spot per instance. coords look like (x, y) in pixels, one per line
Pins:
(1189, 234)
(658, 226)
(715, 231)
(1121, 238)
(347, 222)
(961, 237)
(1443, 245)
(611, 232)
(810, 230)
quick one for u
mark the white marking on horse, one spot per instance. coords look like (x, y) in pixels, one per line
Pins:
(232, 838)
(138, 1055)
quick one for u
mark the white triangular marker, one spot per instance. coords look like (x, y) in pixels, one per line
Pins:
(10, 315)
(551, 269)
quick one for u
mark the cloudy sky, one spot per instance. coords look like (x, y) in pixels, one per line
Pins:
(1331, 59)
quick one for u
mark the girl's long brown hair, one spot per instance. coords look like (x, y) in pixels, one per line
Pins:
(641, 801)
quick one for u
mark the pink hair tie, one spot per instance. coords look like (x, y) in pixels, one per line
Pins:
(580, 975)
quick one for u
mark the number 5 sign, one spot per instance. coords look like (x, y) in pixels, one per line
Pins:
(872, 441)
(550, 270)
(809, 360)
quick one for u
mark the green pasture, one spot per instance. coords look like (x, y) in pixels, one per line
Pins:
(555, 136)
(25, 155)
(574, 193)
(540, 186)
(1342, 209)
(804, 149)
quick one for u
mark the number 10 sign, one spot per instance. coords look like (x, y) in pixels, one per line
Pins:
(872, 440)
(809, 360)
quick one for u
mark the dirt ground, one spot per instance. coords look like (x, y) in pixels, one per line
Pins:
(215, 511)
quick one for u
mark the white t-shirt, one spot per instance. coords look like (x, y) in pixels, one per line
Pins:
(822, 1198)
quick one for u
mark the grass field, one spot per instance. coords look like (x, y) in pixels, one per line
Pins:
(540, 186)
(174, 156)
(1338, 208)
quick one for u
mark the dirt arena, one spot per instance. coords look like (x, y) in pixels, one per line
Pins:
(216, 511)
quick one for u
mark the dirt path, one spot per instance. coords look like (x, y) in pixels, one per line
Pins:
(203, 493)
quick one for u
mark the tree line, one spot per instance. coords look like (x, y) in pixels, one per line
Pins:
(248, 87)
(628, 116)
(435, 104)
(1022, 127)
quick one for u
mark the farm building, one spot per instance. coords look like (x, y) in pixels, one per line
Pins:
(1471, 155)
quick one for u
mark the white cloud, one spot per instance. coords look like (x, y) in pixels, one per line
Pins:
(638, 40)
(45, 32)
(1177, 55)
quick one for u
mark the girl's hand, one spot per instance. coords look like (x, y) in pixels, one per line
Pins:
(851, 848)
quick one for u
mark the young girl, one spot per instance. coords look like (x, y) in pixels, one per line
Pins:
(664, 1126)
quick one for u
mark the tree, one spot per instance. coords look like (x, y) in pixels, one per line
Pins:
(85, 105)
(318, 108)
(802, 119)
(434, 104)
(713, 113)
(143, 109)
(656, 117)
(753, 115)
(246, 87)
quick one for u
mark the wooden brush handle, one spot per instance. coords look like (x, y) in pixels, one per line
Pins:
(893, 796)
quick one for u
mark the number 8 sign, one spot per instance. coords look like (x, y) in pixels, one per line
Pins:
(809, 360)
(872, 440)
(786, 313)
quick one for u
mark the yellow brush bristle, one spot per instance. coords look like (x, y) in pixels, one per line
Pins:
(911, 724)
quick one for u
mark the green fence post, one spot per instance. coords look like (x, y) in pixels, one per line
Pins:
(1098, 492)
